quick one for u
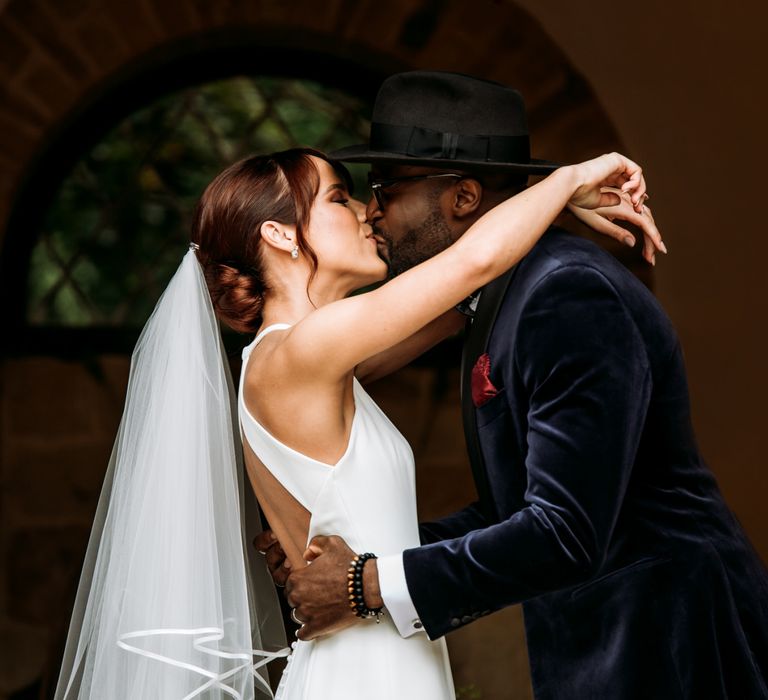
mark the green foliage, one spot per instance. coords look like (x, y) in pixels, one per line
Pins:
(118, 226)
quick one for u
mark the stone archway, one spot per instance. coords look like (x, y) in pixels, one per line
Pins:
(59, 59)
(69, 67)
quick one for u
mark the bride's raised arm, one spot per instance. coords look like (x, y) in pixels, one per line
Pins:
(331, 341)
(451, 322)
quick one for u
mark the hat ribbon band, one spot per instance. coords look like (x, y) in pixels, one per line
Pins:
(427, 143)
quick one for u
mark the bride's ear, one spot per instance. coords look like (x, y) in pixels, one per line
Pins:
(278, 236)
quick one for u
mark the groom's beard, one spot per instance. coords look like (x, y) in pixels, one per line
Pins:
(418, 244)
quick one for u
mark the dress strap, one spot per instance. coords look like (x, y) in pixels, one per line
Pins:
(274, 327)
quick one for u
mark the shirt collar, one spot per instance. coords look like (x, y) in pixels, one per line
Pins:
(468, 306)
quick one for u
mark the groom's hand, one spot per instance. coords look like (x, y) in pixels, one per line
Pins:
(318, 592)
(279, 567)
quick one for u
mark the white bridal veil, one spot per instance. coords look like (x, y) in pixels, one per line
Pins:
(166, 606)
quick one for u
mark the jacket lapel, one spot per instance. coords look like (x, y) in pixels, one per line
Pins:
(474, 346)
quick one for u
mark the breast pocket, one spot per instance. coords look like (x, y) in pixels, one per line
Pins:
(492, 409)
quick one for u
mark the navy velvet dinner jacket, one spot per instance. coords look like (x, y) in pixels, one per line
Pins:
(603, 520)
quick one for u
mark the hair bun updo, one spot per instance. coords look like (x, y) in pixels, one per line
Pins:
(238, 297)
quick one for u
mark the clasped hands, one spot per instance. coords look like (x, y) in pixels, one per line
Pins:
(623, 196)
(601, 220)
(317, 589)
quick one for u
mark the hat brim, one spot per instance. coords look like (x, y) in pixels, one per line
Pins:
(362, 154)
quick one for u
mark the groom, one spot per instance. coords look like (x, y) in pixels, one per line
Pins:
(596, 510)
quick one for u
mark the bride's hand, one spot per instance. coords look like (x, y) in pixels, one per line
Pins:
(609, 170)
(601, 220)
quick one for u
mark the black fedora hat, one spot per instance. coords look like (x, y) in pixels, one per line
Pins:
(448, 120)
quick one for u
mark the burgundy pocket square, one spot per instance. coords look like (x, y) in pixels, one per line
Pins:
(482, 386)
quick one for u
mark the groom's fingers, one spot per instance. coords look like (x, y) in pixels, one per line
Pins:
(279, 567)
(277, 563)
(264, 540)
(320, 542)
(319, 593)
(316, 547)
(320, 626)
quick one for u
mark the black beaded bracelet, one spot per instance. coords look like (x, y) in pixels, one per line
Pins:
(355, 588)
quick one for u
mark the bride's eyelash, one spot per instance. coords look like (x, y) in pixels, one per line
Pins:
(341, 201)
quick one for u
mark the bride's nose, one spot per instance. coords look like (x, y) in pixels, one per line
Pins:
(359, 208)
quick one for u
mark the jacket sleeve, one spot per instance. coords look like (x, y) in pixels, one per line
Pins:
(454, 525)
(583, 367)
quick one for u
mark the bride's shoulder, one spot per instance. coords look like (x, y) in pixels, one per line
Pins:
(282, 358)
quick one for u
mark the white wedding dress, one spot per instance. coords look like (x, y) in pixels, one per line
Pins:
(368, 497)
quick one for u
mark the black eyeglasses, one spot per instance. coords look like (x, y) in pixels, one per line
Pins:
(378, 186)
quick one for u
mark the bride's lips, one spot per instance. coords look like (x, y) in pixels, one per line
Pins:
(383, 243)
(382, 248)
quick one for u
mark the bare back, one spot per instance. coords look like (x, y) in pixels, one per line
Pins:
(311, 420)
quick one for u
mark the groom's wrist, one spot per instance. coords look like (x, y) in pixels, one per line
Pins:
(371, 589)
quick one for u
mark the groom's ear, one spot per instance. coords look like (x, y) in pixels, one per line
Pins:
(467, 198)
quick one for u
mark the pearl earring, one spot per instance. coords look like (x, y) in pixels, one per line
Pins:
(295, 252)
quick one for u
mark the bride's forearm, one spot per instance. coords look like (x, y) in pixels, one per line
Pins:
(504, 234)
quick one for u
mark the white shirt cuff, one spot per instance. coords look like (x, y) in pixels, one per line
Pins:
(394, 593)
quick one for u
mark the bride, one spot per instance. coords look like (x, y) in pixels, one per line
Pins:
(165, 608)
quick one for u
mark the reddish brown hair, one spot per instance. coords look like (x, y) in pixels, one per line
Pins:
(227, 222)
